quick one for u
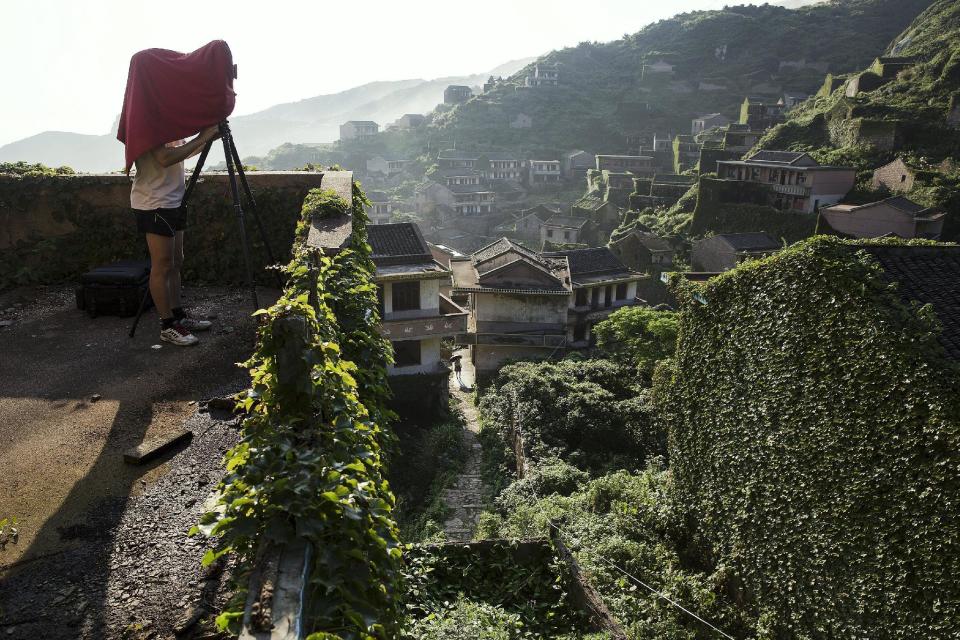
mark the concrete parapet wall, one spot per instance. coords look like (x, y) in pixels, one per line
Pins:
(53, 228)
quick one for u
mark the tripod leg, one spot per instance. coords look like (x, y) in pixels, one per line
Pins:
(143, 307)
(196, 173)
(253, 209)
(238, 209)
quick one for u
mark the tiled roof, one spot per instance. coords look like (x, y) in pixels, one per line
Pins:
(905, 204)
(590, 203)
(754, 241)
(585, 261)
(377, 196)
(929, 275)
(785, 157)
(499, 155)
(501, 246)
(360, 122)
(396, 243)
(569, 222)
(653, 242)
(457, 154)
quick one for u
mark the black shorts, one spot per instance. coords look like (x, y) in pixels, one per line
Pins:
(163, 222)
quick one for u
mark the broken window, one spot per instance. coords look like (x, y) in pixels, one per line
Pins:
(406, 353)
(406, 296)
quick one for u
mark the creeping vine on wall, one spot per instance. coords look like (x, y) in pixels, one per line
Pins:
(815, 430)
(309, 464)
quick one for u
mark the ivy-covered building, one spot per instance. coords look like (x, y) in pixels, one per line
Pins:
(814, 415)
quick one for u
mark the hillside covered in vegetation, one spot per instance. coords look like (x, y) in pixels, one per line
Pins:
(606, 95)
(913, 115)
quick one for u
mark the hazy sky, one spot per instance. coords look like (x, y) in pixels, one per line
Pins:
(64, 63)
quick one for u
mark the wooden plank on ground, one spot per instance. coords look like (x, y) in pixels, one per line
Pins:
(150, 449)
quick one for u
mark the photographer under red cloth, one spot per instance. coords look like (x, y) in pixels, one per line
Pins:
(172, 95)
(169, 97)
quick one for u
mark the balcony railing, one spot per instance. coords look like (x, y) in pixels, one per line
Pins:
(450, 320)
(792, 189)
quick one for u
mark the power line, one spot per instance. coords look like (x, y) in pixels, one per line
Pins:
(649, 588)
(612, 565)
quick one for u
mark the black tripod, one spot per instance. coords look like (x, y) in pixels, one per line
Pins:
(234, 169)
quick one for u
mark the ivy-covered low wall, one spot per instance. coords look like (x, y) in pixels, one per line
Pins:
(309, 466)
(55, 227)
(815, 435)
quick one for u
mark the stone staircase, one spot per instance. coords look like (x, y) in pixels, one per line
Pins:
(465, 497)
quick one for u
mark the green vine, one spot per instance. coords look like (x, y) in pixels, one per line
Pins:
(309, 464)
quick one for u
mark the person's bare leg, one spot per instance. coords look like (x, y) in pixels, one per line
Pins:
(161, 264)
(174, 279)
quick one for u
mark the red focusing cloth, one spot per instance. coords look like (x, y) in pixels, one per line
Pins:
(172, 95)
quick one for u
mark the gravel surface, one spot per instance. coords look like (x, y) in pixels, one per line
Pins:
(141, 578)
(103, 551)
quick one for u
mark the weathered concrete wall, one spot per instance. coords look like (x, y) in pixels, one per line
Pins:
(501, 307)
(54, 228)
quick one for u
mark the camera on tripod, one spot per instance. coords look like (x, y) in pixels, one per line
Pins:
(172, 95)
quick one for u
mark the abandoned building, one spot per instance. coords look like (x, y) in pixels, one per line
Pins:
(600, 284)
(458, 196)
(575, 164)
(895, 216)
(524, 304)
(415, 317)
(457, 159)
(661, 190)
(525, 225)
(897, 176)
(457, 94)
(500, 166)
(408, 121)
(794, 180)
(761, 113)
(792, 99)
(686, 153)
(560, 229)
(380, 209)
(725, 251)
(358, 129)
(707, 122)
(517, 302)
(543, 76)
(381, 166)
(643, 251)
(543, 172)
(637, 165)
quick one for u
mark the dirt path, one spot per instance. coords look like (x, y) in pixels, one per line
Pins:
(465, 497)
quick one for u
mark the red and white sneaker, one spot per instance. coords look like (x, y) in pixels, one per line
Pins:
(193, 324)
(177, 334)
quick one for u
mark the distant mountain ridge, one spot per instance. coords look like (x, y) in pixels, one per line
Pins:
(315, 119)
